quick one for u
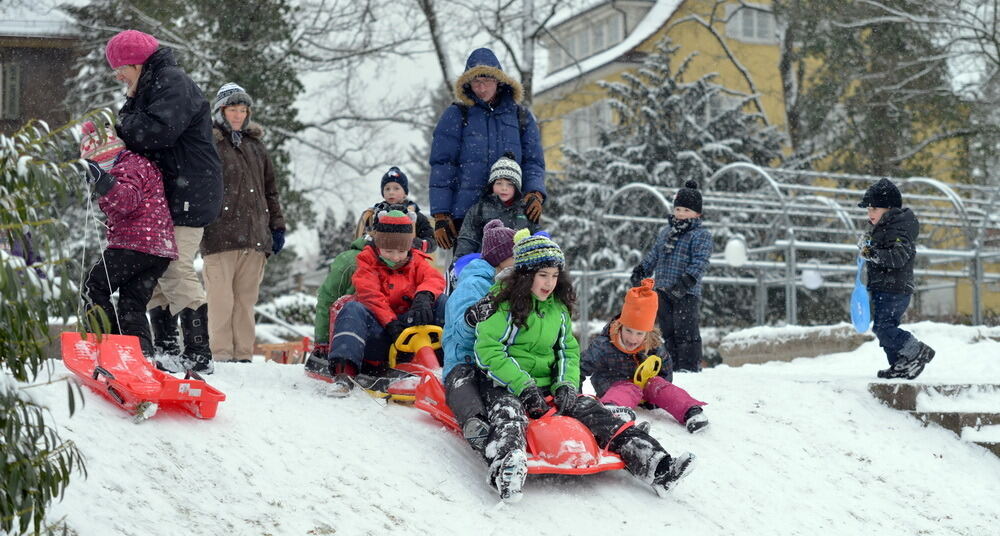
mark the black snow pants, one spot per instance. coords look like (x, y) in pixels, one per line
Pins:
(678, 321)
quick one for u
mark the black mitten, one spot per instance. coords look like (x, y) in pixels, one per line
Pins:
(533, 402)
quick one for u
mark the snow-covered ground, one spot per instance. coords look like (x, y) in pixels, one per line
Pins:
(796, 448)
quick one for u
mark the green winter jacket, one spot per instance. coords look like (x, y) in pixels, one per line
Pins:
(544, 352)
(337, 284)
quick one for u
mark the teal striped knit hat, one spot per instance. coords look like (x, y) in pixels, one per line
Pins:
(534, 251)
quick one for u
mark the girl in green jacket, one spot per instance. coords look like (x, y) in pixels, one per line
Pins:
(526, 347)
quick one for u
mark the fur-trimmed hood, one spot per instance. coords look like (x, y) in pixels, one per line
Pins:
(254, 130)
(483, 61)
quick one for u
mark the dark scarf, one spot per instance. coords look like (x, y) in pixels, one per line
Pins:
(235, 136)
(677, 228)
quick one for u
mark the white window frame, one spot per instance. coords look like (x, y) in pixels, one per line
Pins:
(739, 15)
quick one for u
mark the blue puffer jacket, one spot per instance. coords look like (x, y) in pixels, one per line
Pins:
(459, 338)
(462, 154)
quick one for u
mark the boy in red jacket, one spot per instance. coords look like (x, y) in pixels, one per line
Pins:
(395, 287)
(140, 232)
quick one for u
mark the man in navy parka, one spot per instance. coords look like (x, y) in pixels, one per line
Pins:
(485, 122)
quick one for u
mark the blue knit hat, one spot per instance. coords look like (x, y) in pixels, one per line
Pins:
(532, 252)
(396, 175)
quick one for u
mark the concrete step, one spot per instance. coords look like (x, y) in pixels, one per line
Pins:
(902, 395)
(955, 420)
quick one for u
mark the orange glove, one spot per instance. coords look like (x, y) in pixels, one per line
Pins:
(533, 206)
(444, 230)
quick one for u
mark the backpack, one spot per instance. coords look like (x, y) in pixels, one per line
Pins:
(522, 116)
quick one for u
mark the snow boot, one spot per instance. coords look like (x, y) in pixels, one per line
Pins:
(197, 355)
(164, 328)
(507, 475)
(924, 355)
(669, 471)
(343, 373)
(695, 420)
(317, 362)
(476, 432)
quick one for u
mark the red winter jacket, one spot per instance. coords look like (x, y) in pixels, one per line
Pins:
(387, 292)
(138, 216)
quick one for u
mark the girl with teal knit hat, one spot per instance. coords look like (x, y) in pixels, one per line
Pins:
(526, 347)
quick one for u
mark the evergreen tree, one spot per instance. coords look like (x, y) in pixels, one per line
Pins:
(35, 464)
(668, 130)
(335, 236)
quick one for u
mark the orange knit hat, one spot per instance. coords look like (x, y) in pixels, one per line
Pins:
(639, 309)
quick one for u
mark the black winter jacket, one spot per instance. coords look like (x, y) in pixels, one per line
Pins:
(894, 239)
(170, 122)
(489, 207)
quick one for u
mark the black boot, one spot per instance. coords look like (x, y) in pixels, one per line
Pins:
(197, 354)
(164, 326)
(647, 460)
(134, 323)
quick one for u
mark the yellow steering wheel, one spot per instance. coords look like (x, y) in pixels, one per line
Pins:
(646, 370)
(414, 338)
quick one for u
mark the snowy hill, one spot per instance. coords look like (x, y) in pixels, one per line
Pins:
(796, 448)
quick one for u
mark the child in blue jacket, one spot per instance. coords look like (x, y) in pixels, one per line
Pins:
(677, 261)
(460, 373)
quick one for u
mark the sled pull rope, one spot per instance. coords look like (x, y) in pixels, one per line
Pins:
(83, 258)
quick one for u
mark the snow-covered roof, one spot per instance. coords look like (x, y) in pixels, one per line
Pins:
(653, 21)
(35, 19)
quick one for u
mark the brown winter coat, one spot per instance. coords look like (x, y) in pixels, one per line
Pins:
(250, 208)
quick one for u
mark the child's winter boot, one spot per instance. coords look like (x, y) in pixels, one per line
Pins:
(695, 420)
(924, 355)
(669, 471)
(343, 373)
(317, 362)
(507, 475)
(476, 432)
(646, 459)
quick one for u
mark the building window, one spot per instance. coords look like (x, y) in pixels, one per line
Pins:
(751, 23)
(582, 127)
(591, 39)
(10, 91)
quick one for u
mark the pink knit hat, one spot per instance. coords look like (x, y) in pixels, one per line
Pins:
(130, 47)
(102, 150)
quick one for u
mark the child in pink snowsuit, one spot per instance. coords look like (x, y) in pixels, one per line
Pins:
(612, 358)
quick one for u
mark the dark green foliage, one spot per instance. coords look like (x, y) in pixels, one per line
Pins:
(335, 236)
(668, 130)
(35, 464)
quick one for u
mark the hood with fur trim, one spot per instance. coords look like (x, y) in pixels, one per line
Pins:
(483, 61)
(254, 130)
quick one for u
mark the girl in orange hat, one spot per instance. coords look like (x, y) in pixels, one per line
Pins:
(612, 358)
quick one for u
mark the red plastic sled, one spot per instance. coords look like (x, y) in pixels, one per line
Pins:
(116, 369)
(556, 444)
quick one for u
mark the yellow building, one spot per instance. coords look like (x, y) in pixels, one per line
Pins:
(737, 41)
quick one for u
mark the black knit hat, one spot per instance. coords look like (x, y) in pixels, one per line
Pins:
(689, 196)
(882, 194)
(396, 175)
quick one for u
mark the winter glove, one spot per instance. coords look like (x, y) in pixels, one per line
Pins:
(102, 180)
(680, 288)
(533, 402)
(533, 206)
(421, 311)
(393, 329)
(277, 240)
(444, 230)
(565, 399)
(638, 274)
(869, 253)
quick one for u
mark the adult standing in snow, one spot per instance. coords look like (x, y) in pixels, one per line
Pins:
(167, 119)
(250, 228)
(486, 121)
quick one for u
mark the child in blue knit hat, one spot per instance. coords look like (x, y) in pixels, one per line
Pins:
(395, 189)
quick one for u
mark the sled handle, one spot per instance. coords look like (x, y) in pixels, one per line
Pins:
(189, 374)
(414, 338)
(99, 370)
(649, 368)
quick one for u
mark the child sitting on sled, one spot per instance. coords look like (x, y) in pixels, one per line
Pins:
(395, 287)
(460, 374)
(625, 343)
(140, 233)
(527, 349)
(395, 189)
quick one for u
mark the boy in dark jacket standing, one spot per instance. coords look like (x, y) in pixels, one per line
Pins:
(166, 118)
(889, 249)
(395, 189)
(677, 261)
(500, 200)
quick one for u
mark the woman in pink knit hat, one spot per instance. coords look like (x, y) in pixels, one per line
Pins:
(140, 235)
(167, 119)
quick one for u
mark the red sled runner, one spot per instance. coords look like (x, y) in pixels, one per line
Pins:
(116, 369)
(556, 444)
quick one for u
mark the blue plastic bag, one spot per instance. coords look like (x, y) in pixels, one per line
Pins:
(861, 313)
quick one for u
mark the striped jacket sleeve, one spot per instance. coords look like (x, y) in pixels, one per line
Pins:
(494, 337)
